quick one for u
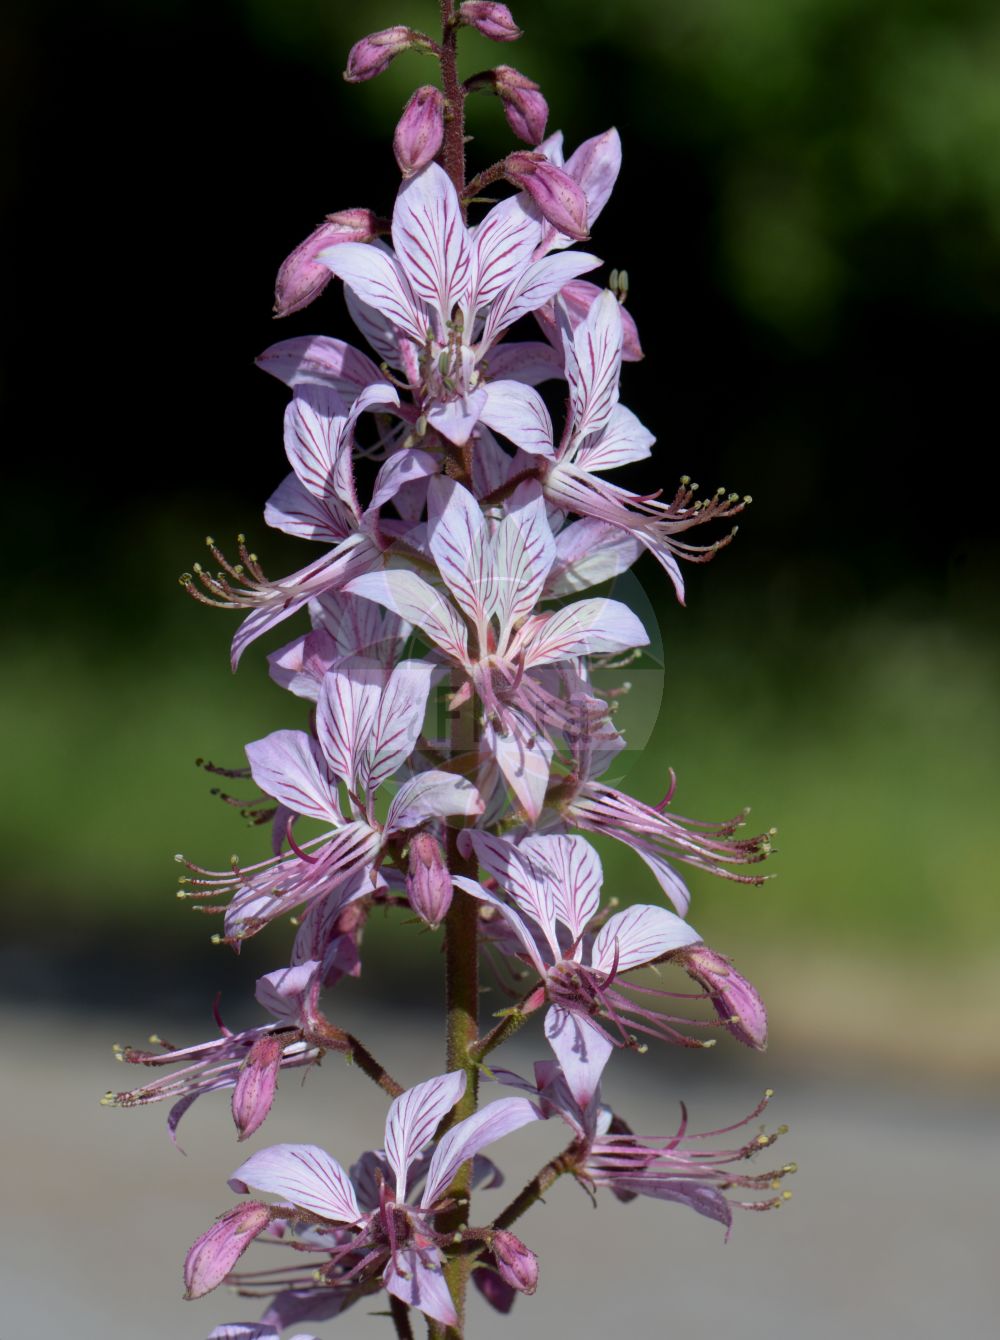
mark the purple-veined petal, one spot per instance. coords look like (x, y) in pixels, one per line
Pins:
(491, 466)
(323, 361)
(418, 603)
(374, 275)
(431, 241)
(523, 878)
(512, 918)
(388, 341)
(705, 1200)
(455, 419)
(332, 571)
(468, 1137)
(314, 433)
(416, 1276)
(581, 629)
(432, 795)
(289, 765)
(518, 412)
(552, 148)
(460, 543)
(402, 468)
(582, 1048)
(283, 992)
(577, 876)
(639, 935)
(214, 1254)
(306, 1176)
(502, 246)
(589, 551)
(291, 1306)
(397, 721)
(576, 299)
(541, 281)
(593, 365)
(414, 1117)
(624, 439)
(528, 361)
(357, 626)
(524, 756)
(348, 700)
(667, 877)
(524, 551)
(294, 510)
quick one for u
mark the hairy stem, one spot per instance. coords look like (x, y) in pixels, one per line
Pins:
(453, 149)
(512, 1020)
(537, 1187)
(324, 1034)
(400, 1318)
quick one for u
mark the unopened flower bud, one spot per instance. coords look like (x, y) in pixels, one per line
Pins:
(301, 280)
(526, 110)
(371, 56)
(428, 883)
(492, 20)
(554, 192)
(497, 1292)
(517, 1265)
(216, 1252)
(256, 1085)
(420, 130)
(736, 1002)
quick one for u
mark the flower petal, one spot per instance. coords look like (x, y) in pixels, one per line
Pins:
(431, 240)
(374, 275)
(306, 1176)
(524, 551)
(432, 795)
(518, 412)
(289, 765)
(526, 881)
(582, 1048)
(593, 365)
(639, 935)
(541, 281)
(460, 543)
(418, 603)
(589, 551)
(466, 1138)
(414, 1117)
(322, 361)
(576, 876)
(417, 1278)
(502, 247)
(580, 629)
(513, 919)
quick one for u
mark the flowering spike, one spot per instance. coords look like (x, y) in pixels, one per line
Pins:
(420, 131)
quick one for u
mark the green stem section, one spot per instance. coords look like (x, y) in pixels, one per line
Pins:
(537, 1187)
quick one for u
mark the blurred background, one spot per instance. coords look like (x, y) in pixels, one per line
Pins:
(809, 212)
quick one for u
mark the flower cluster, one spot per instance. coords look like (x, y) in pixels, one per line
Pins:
(457, 741)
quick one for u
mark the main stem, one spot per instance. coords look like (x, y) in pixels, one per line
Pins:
(461, 927)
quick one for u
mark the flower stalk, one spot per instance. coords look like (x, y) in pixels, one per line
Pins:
(464, 533)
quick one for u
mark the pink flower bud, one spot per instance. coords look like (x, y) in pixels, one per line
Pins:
(300, 279)
(554, 192)
(496, 1291)
(736, 1002)
(216, 1252)
(428, 883)
(492, 20)
(256, 1085)
(371, 56)
(517, 1265)
(526, 110)
(420, 130)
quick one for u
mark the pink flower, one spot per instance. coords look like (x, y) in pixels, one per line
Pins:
(395, 1237)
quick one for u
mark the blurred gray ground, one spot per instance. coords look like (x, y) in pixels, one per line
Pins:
(892, 1231)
